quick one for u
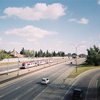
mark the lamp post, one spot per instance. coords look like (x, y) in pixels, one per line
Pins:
(18, 65)
(8, 67)
(76, 53)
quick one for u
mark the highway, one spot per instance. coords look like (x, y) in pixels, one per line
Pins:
(87, 81)
(16, 66)
(29, 88)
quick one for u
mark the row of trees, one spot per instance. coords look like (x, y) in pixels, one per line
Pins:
(31, 53)
(93, 57)
(40, 53)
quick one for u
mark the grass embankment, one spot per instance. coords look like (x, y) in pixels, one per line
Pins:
(80, 69)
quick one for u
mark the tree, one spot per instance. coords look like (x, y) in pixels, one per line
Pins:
(62, 54)
(47, 53)
(43, 55)
(36, 54)
(32, 53)
(40, 53)
(69, 54)
(22, 51)
(54, 54)
(2, 54)
(93, 57)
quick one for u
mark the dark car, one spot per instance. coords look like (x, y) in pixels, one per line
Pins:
(77, 94)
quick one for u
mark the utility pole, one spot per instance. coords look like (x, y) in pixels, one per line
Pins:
(8, 67)
(18, 66)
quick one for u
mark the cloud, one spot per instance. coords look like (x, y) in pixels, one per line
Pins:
(82, 21)
(83, 41)
(40, 11)
(14, 43)
(91, 38)
(3, 17)
(99, 2)
(30, 31)
(72, 20)
(0, 38)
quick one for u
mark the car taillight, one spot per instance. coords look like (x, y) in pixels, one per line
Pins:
(80, 96)
(71, 95)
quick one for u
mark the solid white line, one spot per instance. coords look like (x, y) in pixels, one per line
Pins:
(89, 85)
(96, 89)
(48, 86)
(30, 89)
(17, 87)
(1, 96)
(69, 89)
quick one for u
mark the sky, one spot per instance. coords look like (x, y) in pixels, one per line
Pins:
(53, 25)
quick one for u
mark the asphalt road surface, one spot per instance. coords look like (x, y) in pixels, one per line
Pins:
(29, 87)
(16, 66)
(87, 81)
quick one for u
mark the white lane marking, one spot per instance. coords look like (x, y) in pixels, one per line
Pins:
(16, 99)
(48, 86)
(30, 89)
(31, 81)
(69, 89)
(89, 85)
(1, 96)
(17, 87)
(96, 89)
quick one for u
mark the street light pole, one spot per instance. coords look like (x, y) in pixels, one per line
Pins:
(18, 65)
(76, 53)
(8, 67)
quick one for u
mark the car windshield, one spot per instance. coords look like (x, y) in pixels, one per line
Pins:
(43, 79)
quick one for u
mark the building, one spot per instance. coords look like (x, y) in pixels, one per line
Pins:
(16, 54)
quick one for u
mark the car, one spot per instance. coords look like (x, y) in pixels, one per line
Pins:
(77, 94)
(70, 62)
(45, 81)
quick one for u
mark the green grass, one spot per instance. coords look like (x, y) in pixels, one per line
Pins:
(80, 69)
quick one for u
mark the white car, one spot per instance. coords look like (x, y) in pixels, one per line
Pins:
(45, 81)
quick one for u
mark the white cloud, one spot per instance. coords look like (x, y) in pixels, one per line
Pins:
(30, 31)
(99, 2)
(14, 43)
(82, 21)
(59, 42)
(40, 11)
(72, 20)
(3, 17)
(91, 38)
(0, 38)
(83, 41)
(31, 40)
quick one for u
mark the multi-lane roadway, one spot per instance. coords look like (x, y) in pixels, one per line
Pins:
(29, 88)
